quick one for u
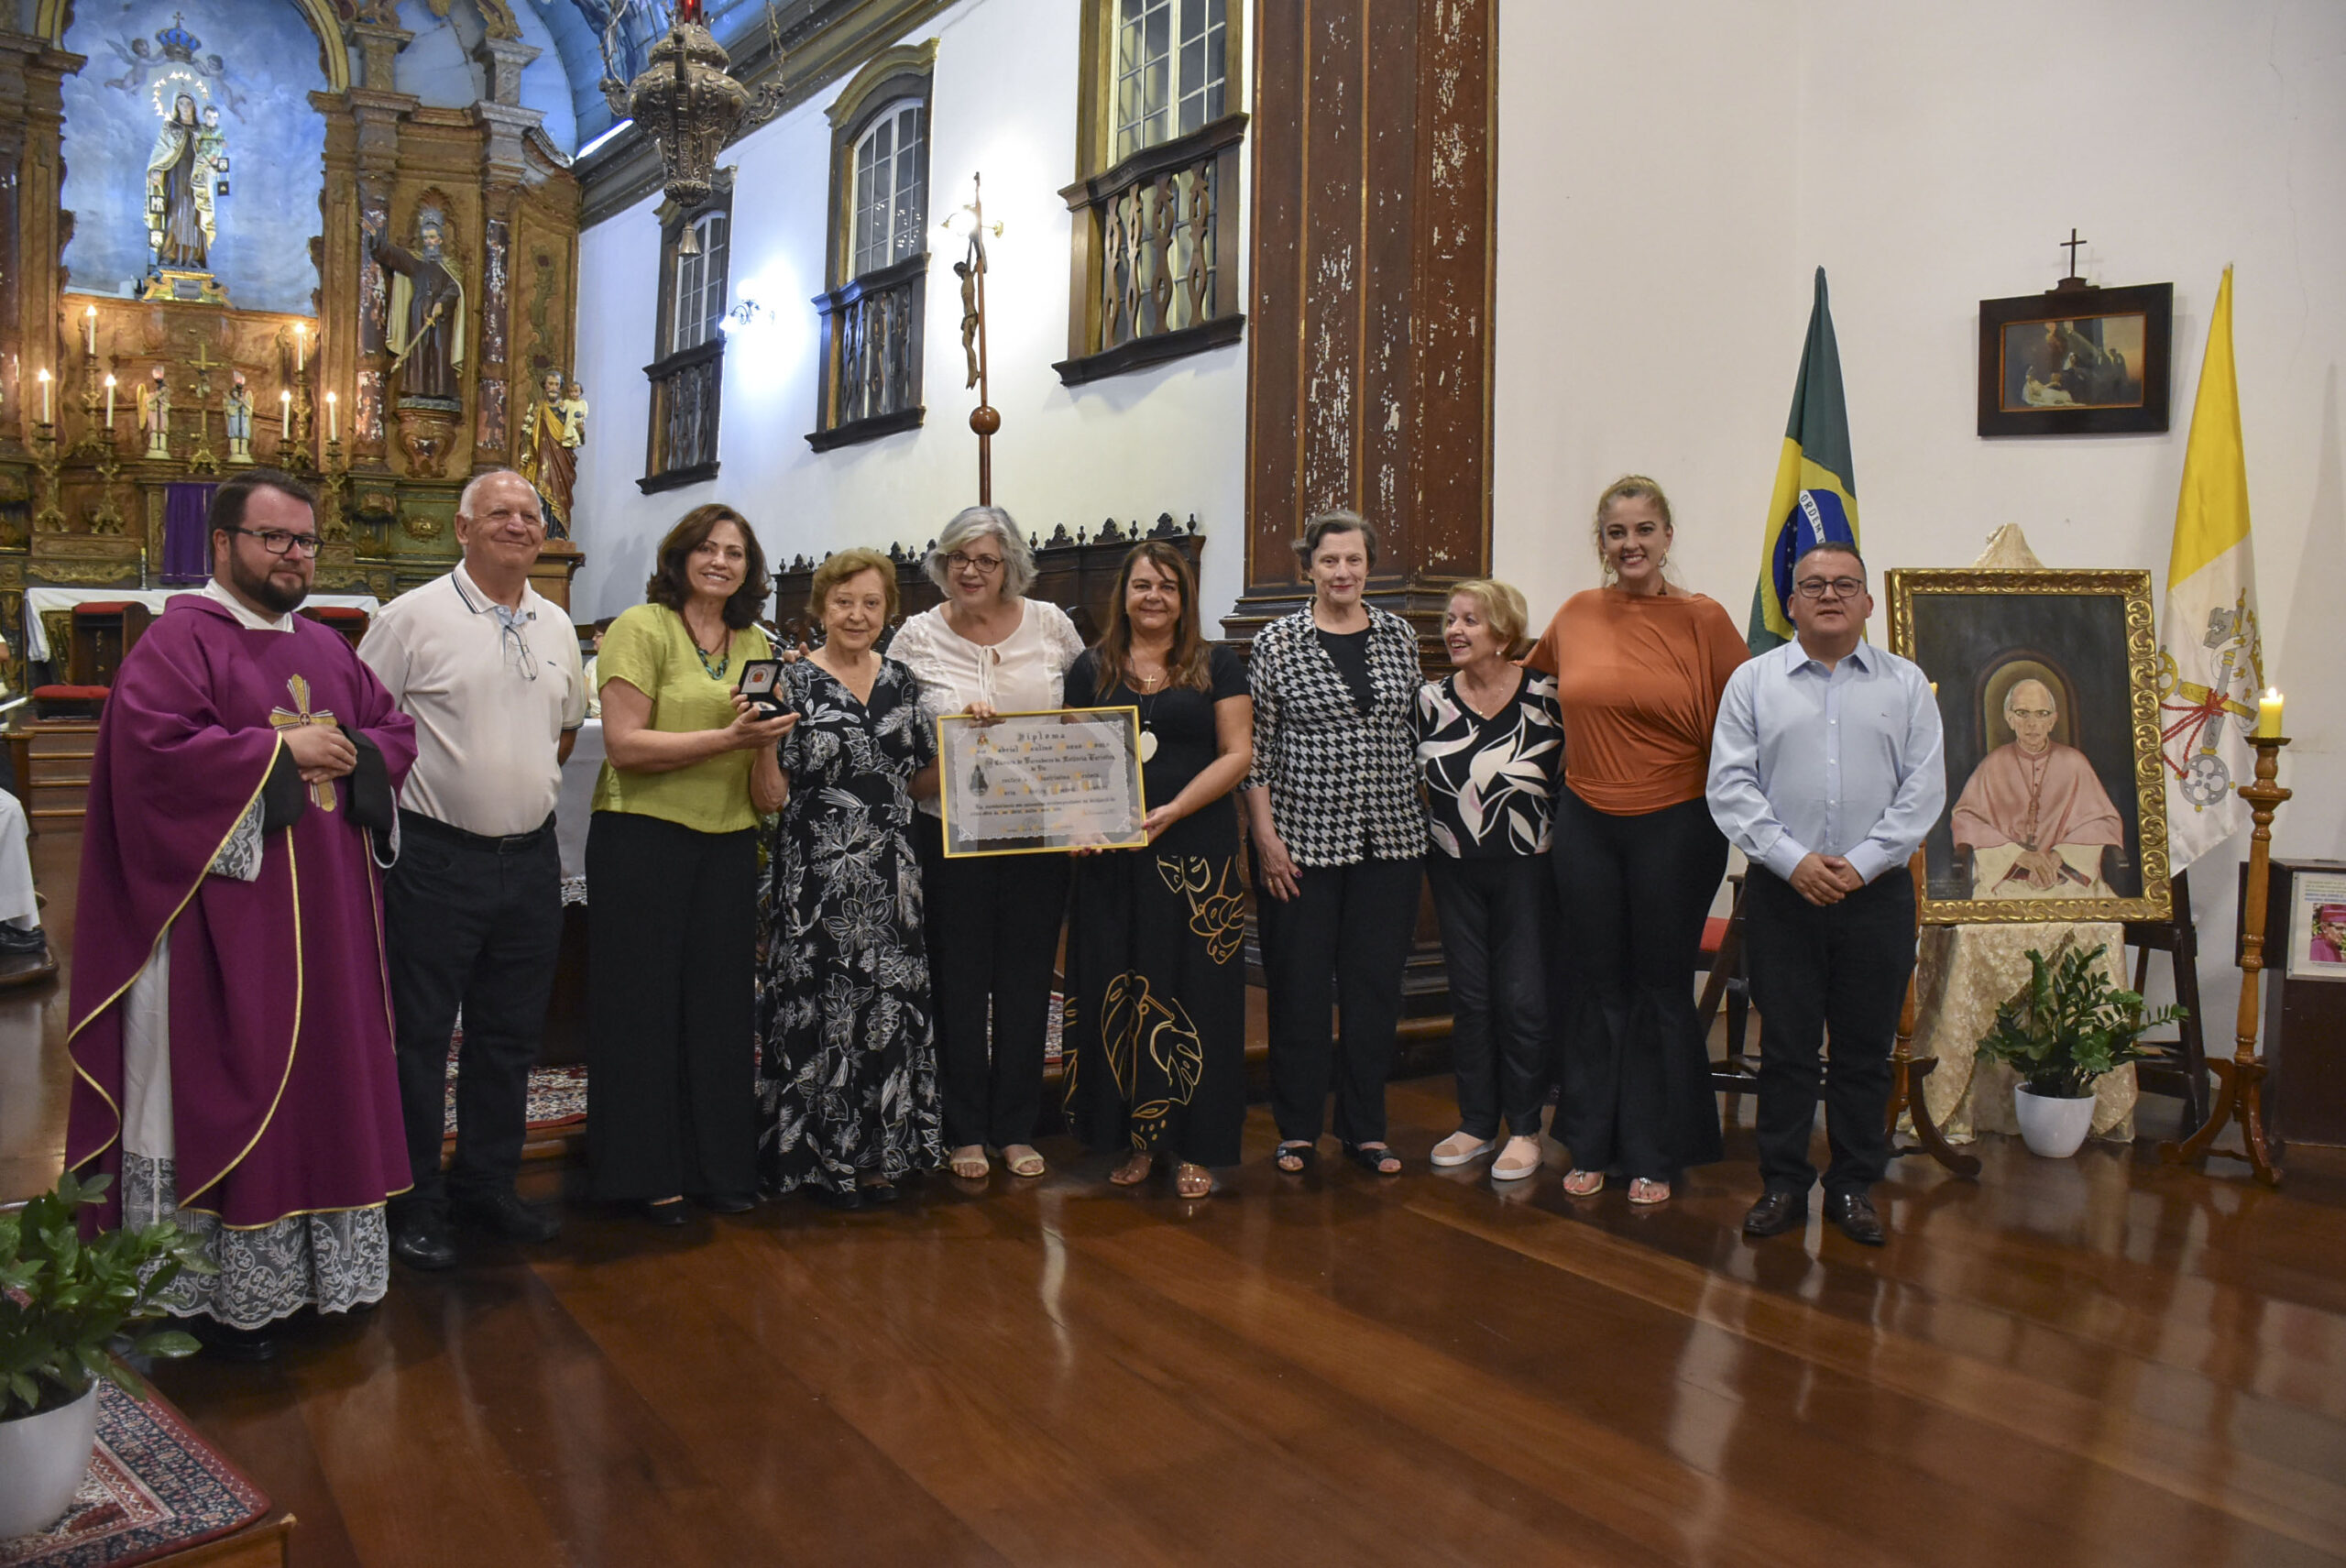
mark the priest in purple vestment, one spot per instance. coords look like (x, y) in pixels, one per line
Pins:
(231, 1026)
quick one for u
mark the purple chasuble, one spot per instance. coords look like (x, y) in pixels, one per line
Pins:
(284, 1086)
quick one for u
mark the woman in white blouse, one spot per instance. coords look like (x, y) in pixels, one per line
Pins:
(993, 921)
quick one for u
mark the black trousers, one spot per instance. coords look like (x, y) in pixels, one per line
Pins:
(671, 925)
(1494, 943)
(993, 940)
(1840, 970)
(1634, 891)
(1347, 927)
(473, 923)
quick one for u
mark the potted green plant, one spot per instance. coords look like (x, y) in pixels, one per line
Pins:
(2062, 1031)
(63, 1301)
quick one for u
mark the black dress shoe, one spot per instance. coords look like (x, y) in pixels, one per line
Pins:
(834, 1197)
(421, 1241)
(505, 1216)
(221, 1343)
(1854, 1213)
(878, 1192)
(1779, 1210)
(668, 1215)
(726, 1203)
(22, 940)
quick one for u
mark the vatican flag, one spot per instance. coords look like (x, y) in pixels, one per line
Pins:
(1815, 498)
(2211, 660)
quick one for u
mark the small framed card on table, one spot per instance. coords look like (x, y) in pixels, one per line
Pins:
(1036, 783)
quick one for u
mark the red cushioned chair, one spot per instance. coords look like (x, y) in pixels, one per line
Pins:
(104, 632)
(347, 620)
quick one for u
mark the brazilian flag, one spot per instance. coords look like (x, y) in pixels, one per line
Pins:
(1816, 487)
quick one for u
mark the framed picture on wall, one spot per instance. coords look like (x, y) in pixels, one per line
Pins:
(2075, 361)
(2047, 689)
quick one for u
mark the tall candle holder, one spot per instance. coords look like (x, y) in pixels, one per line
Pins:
(49, 518)
(107, 519)
(95, 437)
(333, 526)
(2239, 1082)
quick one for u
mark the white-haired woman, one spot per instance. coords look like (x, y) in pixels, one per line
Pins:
(993, 921)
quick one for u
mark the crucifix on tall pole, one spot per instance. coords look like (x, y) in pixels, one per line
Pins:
(985, 418)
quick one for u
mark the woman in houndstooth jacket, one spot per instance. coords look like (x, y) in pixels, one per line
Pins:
(1339, 839)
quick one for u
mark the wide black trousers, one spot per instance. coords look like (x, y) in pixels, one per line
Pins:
(1347, 927)
(1635, 891)
(1841, 970)
(476, 923)
(673, 934)
(1494, 943)
(993, 941)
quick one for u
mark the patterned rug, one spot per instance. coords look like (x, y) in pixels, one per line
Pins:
(153, 1487)
(558, 1094)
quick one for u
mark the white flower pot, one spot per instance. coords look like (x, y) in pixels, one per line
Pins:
(42, 1461)
(2052, 1127)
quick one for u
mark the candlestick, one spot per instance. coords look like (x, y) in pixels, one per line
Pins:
(44, 400)
(109, 408)
(2268, 715)
(90, 328)
(333, 422)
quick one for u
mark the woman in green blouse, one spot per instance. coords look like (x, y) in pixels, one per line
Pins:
(672, 880)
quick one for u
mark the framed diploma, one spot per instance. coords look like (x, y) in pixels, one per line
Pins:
(1032, 782)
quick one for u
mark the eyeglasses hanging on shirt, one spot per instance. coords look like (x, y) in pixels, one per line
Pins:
(511, 641)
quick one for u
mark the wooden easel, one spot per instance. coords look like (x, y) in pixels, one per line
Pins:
(1907, 1073)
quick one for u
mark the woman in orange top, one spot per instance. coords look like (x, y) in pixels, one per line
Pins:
(1639, 666)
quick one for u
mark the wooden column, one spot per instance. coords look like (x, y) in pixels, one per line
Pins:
(1368, 357)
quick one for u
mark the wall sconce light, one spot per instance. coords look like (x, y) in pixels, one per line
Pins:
(746, 313)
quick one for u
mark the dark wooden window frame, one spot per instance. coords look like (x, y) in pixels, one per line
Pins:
(1100, 184)
(704, 362)
(892, 77)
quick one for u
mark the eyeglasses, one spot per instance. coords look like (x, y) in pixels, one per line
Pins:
(987, 565)
(514, 646)
(1836, 587)
(277, 542)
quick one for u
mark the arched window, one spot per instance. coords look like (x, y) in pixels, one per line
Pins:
(870, 383)
(700, 281)
(1172, 66)
(688, 373)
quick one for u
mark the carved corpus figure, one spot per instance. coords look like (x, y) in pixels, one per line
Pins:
(180, 225)
(426, 326)
(2033, 812)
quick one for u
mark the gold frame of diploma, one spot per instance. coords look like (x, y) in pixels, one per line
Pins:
(2049, 693)
(1040, 783)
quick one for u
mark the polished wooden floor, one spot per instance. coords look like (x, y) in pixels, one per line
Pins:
(2095, 1361)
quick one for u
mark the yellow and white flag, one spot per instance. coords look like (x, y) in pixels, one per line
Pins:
(2211, 659)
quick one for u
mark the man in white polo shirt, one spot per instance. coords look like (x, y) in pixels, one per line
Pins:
(490, 673)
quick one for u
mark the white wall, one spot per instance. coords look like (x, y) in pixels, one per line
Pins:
(1167, 440)
(1670, 174)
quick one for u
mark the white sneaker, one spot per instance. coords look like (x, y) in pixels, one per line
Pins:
(1518, 1159)
(1460, 1148)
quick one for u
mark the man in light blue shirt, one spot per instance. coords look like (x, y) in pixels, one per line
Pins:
(1826, 770)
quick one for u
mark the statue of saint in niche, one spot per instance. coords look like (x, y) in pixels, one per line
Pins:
(238, 414)
(550, 444)
(426, 324)
(180, 223)
(154, 414)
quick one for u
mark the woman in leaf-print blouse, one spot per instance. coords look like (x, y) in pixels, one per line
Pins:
(1490, 746)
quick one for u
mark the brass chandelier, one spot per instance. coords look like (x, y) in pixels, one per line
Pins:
(687, 102)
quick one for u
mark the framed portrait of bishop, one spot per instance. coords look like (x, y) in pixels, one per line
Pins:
(2047, 689)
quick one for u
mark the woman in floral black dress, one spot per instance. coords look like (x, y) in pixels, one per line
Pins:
(849, 1075)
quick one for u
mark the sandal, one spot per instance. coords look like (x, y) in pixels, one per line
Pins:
(1644, 1190)
(1518, 1159)
(1459, 1148)
(1295, 1158)
(968, 1162)
(1377, 1159)
(1021, 1159)
(1580, 1183)
(1192, 1180)
(1133, 1171)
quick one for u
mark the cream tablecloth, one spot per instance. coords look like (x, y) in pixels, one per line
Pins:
(1965, 973)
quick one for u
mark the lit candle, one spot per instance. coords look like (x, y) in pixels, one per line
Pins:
(109, 407)
(44, 398)
(2268, 716)
(285, 413)
(333, 422)
(90, 327)
(300, 338)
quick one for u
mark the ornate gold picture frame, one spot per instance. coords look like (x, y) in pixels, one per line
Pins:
(2047, 687)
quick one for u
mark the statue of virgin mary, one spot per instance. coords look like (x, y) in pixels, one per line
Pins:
(179, 190)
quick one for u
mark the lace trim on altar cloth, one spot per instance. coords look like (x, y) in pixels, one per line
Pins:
(239, 858)
(332, 1262)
